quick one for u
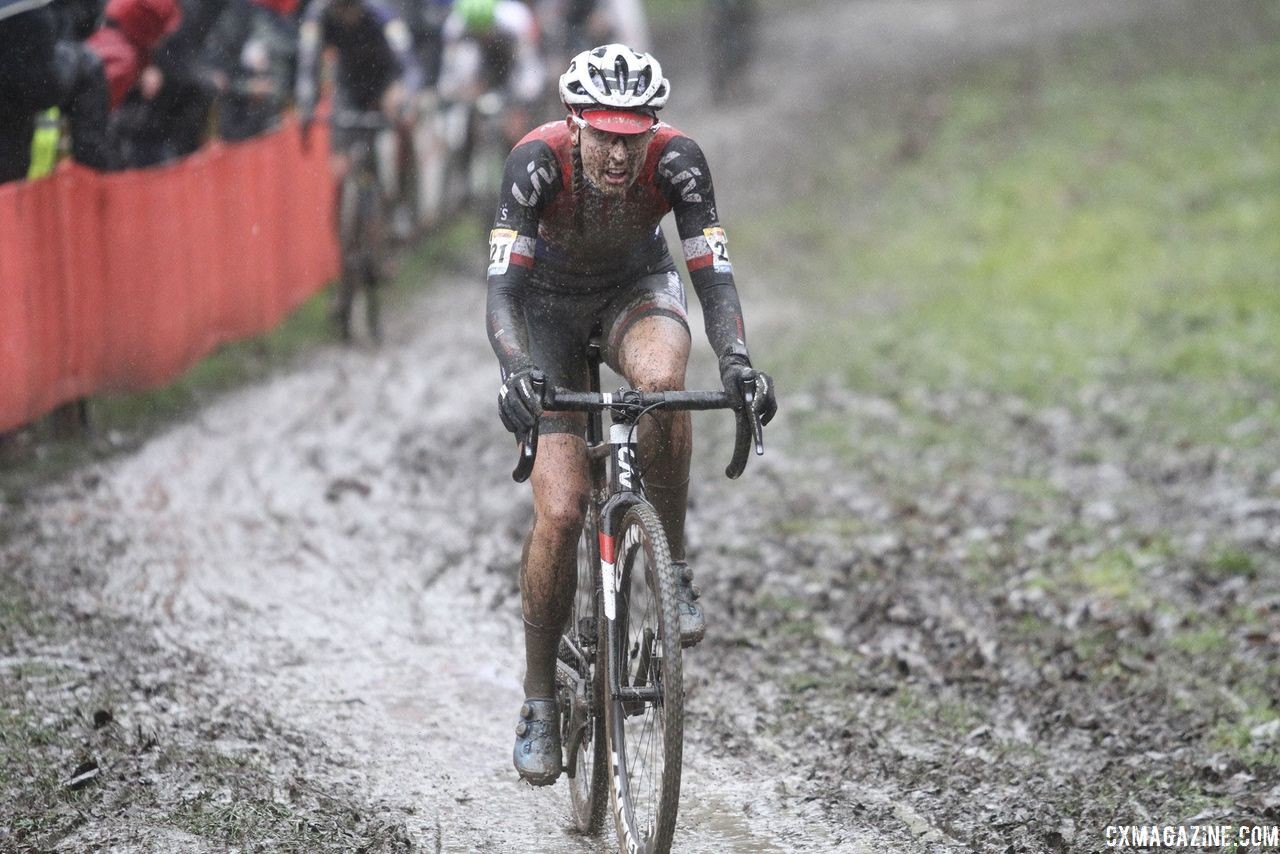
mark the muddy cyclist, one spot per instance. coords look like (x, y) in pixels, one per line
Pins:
(575, 252)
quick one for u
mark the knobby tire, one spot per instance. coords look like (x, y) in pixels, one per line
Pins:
(645, 798)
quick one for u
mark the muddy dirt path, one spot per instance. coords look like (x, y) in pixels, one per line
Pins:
(343, 538)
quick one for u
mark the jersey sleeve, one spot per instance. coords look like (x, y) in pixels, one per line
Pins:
(531, 179)
(684, 179)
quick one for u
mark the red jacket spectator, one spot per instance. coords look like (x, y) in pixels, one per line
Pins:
(124, 42)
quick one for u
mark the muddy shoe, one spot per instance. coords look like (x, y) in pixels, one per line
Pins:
(692, 625)
(537, 750)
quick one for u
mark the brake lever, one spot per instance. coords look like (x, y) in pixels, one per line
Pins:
(529, 443)
(757, 429)
(528, 454)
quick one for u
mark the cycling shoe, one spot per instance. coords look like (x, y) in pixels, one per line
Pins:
(692, 624)
(537, 751)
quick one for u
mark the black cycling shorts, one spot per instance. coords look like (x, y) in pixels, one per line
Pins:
(562, 321)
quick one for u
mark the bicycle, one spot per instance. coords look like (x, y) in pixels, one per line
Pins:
(362, 221)
(619, 680)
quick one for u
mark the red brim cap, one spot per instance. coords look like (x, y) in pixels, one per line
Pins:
(619, 121)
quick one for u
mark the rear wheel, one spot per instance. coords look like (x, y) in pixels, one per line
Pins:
(645, 702)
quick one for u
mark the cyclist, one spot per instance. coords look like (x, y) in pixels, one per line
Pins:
(576, 248)
(376, 71)
(493, 46)
(376, 68)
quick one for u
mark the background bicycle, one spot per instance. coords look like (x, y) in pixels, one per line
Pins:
(362, 218)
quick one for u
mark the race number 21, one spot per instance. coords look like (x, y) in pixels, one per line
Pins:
(500, 242)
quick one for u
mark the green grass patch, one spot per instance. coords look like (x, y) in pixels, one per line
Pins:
(1234, 562)
(1112, 575)
(1085, 226)
(1252, 737)
(1205, 640)
(926, 708)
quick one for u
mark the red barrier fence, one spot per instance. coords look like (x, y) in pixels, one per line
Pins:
(120, 282)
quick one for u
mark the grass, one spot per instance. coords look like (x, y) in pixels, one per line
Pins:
(1232, 561)
(1066, 297)
(1064, 234)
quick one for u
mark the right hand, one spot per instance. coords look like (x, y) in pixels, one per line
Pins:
(519, 403)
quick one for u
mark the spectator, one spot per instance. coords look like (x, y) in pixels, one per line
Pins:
(253, 47)
(86, 101)
(172, 121)
(28, 79)
(125, 40)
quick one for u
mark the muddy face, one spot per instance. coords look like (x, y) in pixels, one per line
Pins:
(611, 161)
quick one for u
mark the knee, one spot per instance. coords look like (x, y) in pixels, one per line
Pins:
(660, 378)
(560, 516)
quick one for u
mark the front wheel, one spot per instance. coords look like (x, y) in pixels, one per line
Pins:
(644, 703)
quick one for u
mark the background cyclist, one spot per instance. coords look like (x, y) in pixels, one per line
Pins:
(376, 71)
(576, 247)
(494, 46)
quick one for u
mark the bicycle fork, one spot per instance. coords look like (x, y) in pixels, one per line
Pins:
(624, 491)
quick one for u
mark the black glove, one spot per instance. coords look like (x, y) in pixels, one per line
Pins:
(737, 375)
(519, 403)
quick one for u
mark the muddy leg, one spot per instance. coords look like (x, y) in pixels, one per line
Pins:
(549, 566)
(653, 357)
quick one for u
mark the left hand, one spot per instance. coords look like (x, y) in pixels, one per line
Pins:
(737, 375)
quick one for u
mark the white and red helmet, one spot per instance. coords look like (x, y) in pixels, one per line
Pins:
(615, 89)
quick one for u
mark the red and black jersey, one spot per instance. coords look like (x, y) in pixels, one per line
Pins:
(551, 236)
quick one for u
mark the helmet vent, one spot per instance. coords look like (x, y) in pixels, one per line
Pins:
(600, 80)
(620, 73)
